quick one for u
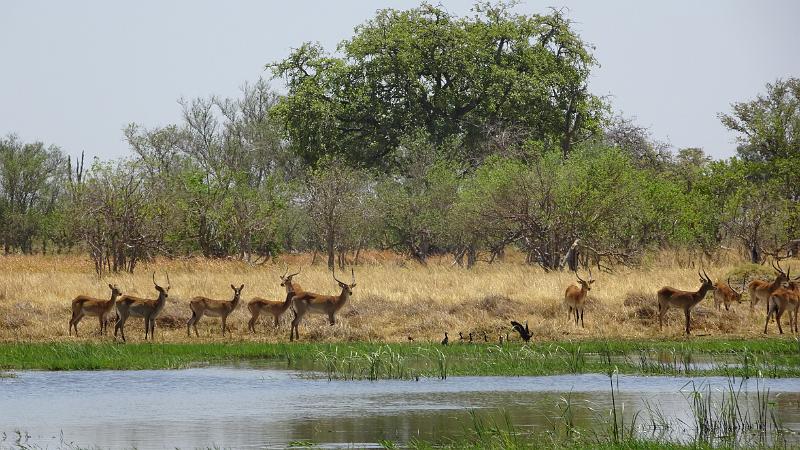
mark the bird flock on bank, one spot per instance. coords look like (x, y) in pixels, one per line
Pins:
(781, 295)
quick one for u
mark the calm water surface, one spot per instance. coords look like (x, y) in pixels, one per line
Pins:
(244, 407)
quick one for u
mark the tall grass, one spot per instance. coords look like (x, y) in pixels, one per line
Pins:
(394, 300)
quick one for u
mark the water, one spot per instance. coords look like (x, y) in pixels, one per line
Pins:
(245, 407)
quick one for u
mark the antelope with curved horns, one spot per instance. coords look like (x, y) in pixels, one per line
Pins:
(83, 305)
(575, 297)
(201, 306)
(306, 302)
(782, 300)
(674, 298)
(761, 290)
(258, 305)
(146, 308)
(725, 294)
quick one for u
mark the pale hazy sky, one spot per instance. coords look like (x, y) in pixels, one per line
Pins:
(74, 73)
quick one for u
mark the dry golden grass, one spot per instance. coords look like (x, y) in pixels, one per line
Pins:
(395, 299)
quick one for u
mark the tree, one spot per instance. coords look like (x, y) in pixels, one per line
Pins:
(31, 181)
(424, 69)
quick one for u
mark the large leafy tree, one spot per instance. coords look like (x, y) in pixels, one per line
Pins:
(426, 70)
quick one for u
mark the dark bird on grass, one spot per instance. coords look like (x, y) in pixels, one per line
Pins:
(524, 332)
(460, 336)
(410, 339)
(446, 339)
(501, 339)
(470, 337)
(485, 337)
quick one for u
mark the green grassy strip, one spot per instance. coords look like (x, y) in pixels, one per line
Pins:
(771, 357)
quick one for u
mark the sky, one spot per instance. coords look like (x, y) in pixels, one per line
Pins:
(76, 73)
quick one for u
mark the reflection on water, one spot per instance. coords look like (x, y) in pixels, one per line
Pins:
(249, 407)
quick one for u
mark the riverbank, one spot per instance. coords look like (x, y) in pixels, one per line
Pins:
(775, 357)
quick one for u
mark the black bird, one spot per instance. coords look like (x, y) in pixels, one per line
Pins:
(460, 336)
(446, 339)
(410, 339)
(485, 337)
(470, 337)
(524, 332)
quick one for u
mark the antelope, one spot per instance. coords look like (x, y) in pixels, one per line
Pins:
(258, 305)
(201, 306)
(761, 290)
(782, 300)
(725, 294)
(305, 302)
(83, 305)
(686, 300)
(146, 308)
(575, 297)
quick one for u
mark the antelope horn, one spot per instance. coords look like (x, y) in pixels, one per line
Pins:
(296, 273)
(579, 277)
(285, 272)
(730, 286)
(169, 283)
(333, 272)
(778, 261)
(707, 277)
(590, 274)
(154, 279)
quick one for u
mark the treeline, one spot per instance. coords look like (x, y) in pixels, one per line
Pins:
(426, 134)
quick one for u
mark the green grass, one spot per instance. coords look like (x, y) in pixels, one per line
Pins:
(740, 358)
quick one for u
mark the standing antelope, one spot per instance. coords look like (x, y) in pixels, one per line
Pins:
(305, 302)
(761, 290)
(782, 300)
(575, 297)
(686, 300)
(83, 305)
(725, 294)
(258, 305)
(146, 308)
(213, 308)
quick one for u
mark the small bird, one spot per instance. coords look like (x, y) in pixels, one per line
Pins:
(524, 332)
(446, 339)
(501, 339)
(485, 337)
(470, 337)
(460, 336)
(410, 339)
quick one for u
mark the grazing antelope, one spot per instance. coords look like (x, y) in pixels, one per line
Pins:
(83, 305)
(305, 302)
(258, 305)
(201, 306)
(781, 301)
(524, 333)
(575, 297)
(761, 290)
(725, 294)
(674, 298)
(146, 308)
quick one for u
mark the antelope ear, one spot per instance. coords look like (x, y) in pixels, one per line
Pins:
(110, 286)
(233, 287)
(353, 285)
(241, 287)
(591, 281)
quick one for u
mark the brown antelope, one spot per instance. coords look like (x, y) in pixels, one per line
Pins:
(761, 290)
(146, 308)
(201, 306)
(258, 305)
(83, 305)
(674, 298)
(725, 294)
(305, 302)
(575, 297)
(781, 301)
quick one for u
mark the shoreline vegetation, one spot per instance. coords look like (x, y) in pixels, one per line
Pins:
(743, 358)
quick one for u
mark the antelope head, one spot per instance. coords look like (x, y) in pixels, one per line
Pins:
(585, 284)
(706, 280)
(287, 279)
(781, 277)
(736, 295)
(161, 290)
(346, 288)
(115, 291)
(237, 292)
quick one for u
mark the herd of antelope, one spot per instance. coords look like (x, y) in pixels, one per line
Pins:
(781, 295)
